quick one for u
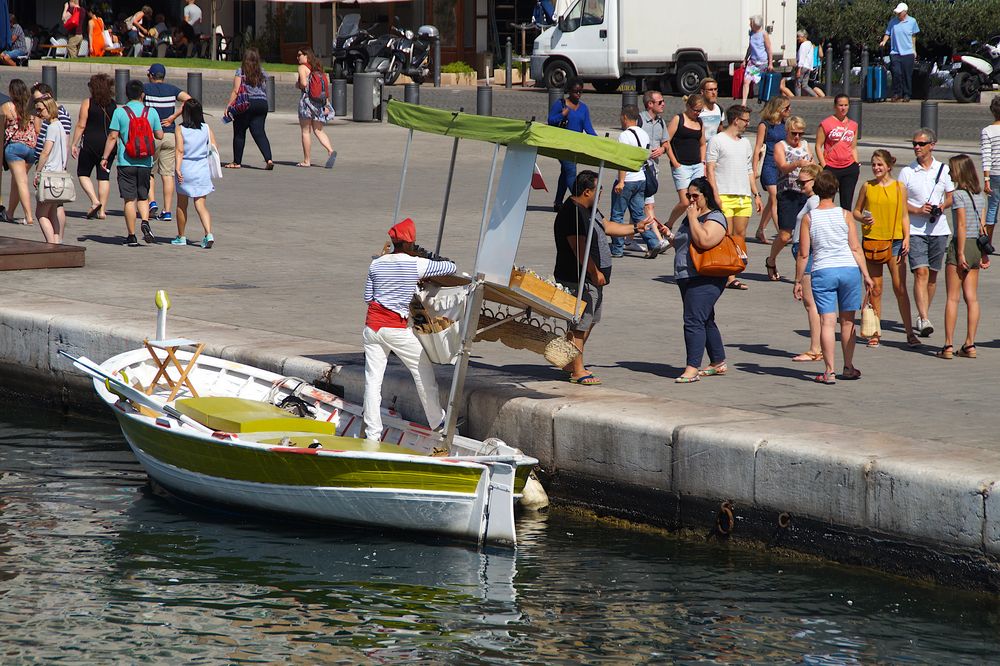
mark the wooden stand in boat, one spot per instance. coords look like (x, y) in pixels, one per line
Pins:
(17, 254)
(163, 365)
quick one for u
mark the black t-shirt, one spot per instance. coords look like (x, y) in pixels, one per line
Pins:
(574, 220)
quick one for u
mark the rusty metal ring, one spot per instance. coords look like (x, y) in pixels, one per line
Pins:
(784, 520)
(725, 513)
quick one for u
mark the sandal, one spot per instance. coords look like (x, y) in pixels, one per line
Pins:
(850, 373)
(873, 343)
(586, 380)
(761, 237)
(948, 351)
(826, 378)
(269, 166)
(736, 284)
(772, 270)
(808, 356)
(94, 212)
(687, 380)
(912, 341)
(303, 164)
(713, 370)
(967, 351)
(232, 165)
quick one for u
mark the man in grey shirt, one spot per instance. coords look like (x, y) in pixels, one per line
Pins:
(651, 121)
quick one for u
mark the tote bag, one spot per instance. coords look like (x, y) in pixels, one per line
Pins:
(56, 187)
(725, 259)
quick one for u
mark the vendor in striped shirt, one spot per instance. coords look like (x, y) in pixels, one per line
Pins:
(392, 281)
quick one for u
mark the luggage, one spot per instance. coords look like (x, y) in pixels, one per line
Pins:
(738, 82)
(876, 84)
(770, 86)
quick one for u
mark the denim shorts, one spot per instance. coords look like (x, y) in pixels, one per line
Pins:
(927, 251)
(809, 261)
(837, 289)
(685, 173)
(19, 152)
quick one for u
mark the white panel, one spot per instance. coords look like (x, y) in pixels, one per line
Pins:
(654, 30)
(499, 245)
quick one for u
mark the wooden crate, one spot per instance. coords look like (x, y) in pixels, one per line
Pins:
(532, 285)
(18, 254)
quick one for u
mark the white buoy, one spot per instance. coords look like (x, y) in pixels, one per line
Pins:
(162, 305)
(534, 496)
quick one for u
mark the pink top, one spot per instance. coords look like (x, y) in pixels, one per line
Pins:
(839, 141)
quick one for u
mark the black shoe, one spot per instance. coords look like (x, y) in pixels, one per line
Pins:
(147, 233)
(131, 241)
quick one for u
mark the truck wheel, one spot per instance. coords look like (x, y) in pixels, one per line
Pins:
(605, 86)
(556, 73)
(689, 76)
(965, 88)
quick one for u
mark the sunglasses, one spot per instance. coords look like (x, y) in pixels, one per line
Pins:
(576, 91)
(658, 101)
(802, 183)
(692, 197)
(796, 133)
(920, 143)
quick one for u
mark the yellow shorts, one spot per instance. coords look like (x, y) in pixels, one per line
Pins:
(736, 205)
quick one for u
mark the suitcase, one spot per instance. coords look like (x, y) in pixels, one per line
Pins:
(770, 86)
(738, 82)
(876, 84)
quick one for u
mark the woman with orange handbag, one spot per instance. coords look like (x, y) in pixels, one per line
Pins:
(885, 227)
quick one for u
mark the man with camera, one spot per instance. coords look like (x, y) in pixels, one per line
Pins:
(928, 191)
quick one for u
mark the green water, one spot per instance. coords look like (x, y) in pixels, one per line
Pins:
(96, 568)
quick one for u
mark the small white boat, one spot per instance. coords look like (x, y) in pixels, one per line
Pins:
(234, 445)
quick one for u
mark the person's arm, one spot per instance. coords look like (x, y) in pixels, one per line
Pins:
(211, 138)
(758, 144)
(860, 206)
(986, 150)
(710, 174)
(960, 224)
(579, 245)
(109, 146)
(703, 145)
(237, 80)
(154, 122)
(178, 154)
(66, 13)
(859, 256)
(672, 132)
(802, 257)
(780, 159)
(558, 111)
(704, 235)
(885, 37)
(767, 49)
(303, 81)
(369, 287)
(948, 201)
(854, 149)
(46, 151)
(820, 142)
(182, 97)
(435, 268)
(588, 127)
(81, 125)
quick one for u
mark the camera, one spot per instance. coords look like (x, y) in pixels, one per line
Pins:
(935, 214)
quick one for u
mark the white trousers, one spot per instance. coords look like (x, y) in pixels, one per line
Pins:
(403, 343)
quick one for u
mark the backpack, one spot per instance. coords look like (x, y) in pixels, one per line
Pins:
(317, 86)
(140, 143)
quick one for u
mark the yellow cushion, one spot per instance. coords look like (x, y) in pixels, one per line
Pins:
(242, 415)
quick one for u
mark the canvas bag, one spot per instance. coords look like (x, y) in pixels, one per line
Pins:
(56, 187)
(871, 327)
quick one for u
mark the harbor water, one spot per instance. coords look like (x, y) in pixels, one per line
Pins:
(97, 567)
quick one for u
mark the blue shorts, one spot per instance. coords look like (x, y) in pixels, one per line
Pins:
(19, 152)
(809, 261)
(928, 251)
(685, 173)
(837, 289)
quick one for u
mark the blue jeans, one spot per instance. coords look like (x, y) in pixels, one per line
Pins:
(902, 75)
(993, 205)
(567, 176)
(700, 293)
(633, 198)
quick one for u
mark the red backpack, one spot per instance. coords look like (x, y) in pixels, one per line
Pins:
(140, 135)
(317, 85)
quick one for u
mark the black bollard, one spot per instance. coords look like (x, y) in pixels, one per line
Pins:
(437, 63)
(411, 93)
(339, 98)
(929, 114)
(122, 77)
(628, 88)
(847, 70)
(271, 101)
(484, 101)
(50, 76)
(864, 73)
(854, 113)
(194, 85)
(508, 66)
(828, 54)
(555, 94)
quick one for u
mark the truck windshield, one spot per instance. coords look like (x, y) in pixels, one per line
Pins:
(584, 12)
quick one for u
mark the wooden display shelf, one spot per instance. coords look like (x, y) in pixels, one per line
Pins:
(17, 254)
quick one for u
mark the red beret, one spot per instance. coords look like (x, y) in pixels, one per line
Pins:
(404, 231)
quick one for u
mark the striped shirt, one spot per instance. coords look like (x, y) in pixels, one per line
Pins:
(393, 278)
(828, 239)
(162, 97)
(67, 123)
(990, 147)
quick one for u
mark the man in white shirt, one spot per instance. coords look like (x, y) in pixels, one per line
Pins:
(630, 188)
(928, 192)
(730, 171)
(804, 64)
(192, 16)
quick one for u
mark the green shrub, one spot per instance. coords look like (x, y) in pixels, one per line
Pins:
(457, 68)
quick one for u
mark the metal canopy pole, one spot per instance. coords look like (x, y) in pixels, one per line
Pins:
(402, 177)
(590, 234)
(447, 196)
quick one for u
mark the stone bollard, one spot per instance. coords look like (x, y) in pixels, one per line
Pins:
(411, 93)
(484, 101)
(194, 85)
(271, 101)
(122, 77)
(854, 113)
(508, 65)
(339, 96)
(929, 114)
(50, 76)
(847, 70)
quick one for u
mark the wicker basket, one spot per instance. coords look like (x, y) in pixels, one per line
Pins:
(521, 335)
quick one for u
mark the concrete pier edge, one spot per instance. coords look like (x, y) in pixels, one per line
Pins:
(902, 505)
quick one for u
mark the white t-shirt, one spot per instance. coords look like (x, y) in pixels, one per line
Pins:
(629, 137)
(57, 156)
(921, 189)
(805, 58)
(811, 204)
(192, 16)
(711, 121)
(732, 164)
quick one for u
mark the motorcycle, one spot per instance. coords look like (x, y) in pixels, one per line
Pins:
(977, 71)
(350, 48)
(402, 52)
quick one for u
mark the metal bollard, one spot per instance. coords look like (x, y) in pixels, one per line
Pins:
(122, 77)
(864, 73)
(437, 63)
(50, 76)
(929, 114)
(628, 88)
(555, 94)
(271, 101)
(509, 65)
(854, 113)
(484, 101)
(828, 54)
(194, 85)
(847, 70)
(411, 93)
(339, 96)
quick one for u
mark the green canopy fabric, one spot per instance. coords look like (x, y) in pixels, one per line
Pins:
(550, 141)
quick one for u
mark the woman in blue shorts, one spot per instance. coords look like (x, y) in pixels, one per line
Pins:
(828, 234)
(20, 136)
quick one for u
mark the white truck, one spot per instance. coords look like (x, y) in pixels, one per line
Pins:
(676, 42)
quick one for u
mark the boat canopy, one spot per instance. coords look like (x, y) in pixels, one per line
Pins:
(549, 141)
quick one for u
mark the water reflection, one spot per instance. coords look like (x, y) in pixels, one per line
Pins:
(95, 567)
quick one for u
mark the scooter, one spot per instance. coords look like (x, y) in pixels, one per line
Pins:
(415, 50)
(385, 57)
(977, 71)
(350, 48)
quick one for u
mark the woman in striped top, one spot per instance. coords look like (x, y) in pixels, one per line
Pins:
(990, 145)
(829, 235)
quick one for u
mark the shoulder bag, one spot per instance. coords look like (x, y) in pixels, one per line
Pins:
(725, 259)
(648, 170)
(56, 187)
(983, 239)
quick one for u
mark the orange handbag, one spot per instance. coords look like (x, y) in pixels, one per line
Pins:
(725, 259)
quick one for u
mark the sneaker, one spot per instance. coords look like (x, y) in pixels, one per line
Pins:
(179, 240)
(153, 207)
(207, 242)
(166, 216)
(147, 233)
(131, 241)
(924, 327)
